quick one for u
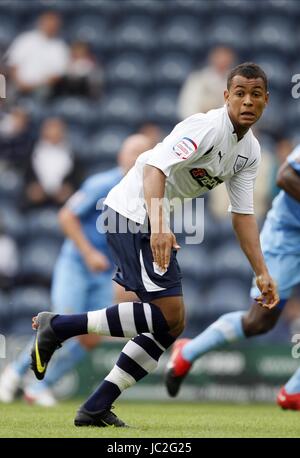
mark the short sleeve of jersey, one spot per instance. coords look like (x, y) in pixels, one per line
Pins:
(91, 191)
(193, 136)
(240, 187)
(294, 159)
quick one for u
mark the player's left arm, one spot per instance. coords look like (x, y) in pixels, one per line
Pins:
(288, 178)
(245, 227)
(240, 190)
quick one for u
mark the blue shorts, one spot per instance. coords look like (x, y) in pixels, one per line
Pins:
(77, 290)
(280, 248)
(133, 257)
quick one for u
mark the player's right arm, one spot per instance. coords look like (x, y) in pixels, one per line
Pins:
(192, 136)
(288, 177)
(162, 239)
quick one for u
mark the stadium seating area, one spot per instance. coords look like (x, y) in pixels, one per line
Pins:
(147, 49)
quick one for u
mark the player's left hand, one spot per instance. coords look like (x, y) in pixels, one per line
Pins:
(269, 297)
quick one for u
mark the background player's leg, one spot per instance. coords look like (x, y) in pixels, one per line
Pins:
(293, 385)
(228, 328)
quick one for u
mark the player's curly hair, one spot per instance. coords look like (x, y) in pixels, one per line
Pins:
(248, 70)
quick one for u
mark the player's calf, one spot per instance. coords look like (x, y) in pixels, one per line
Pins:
(260, 320)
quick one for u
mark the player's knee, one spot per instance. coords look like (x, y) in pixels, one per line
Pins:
(176, 326)
(257, 327)
(89, 341)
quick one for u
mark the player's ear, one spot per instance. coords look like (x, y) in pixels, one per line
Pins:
(267, 98)
(226, 95)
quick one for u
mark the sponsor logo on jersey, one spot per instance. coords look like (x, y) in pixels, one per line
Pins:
(185, 148)
(204, 179)
(240, 163)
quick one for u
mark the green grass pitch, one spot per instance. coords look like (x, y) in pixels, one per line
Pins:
(163, 420)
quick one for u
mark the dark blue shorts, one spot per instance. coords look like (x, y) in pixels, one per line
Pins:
(133, 257)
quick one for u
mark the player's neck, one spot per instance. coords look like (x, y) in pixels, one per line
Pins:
(239, 130)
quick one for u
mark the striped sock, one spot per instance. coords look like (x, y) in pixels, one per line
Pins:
(123, 320)
(127, 320)
(138, 358)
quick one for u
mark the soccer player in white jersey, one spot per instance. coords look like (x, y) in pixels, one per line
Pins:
(280, 241)
(201, 152)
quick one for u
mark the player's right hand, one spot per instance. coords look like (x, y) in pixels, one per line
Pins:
(161, 246)
(269, 297)
(96, 261)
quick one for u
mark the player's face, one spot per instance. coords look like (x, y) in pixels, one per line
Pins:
(246, 100)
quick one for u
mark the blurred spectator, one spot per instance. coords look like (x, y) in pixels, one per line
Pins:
(83, 75)
(9, 260)
(153, 132)
(16, 137)
(204, 89)
(38, 58)
(51, 176)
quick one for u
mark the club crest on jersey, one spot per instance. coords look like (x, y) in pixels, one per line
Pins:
(204, 179)
(185, 148)
(240, 163)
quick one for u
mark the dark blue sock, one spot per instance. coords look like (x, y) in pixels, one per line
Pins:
(66, 326)
(103, 397)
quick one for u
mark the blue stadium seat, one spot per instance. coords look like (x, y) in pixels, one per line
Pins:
(194, 262)
(275, 67)
(130, 70)
(229, 31)
(92, 29)
(274, 33)
(8, 30)
(236, 7)
(136, 33)
(172, 69)
(43, 223)
(11, 184)
(192, 7)
(121, 106)
(282, 7)
(227, 295)
(76, 109)
(161, 107)
(27, 301)
(228, 260)
(194, 298)
(38, 259)
(274, 117)
(13, 223)
(183, 33)
(107, 143)
(5, 313)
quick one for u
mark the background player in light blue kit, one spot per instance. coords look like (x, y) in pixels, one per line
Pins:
(82, 278)
(280, 240)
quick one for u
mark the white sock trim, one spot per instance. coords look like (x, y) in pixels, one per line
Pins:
(120, 378)
(140, 356)
(97, 323)
(127, 319)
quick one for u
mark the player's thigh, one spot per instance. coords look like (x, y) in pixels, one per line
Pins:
(100, 292)
(121, 295)
(173, 310)
(69, 287)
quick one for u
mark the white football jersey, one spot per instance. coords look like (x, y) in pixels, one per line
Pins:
(201, 152)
